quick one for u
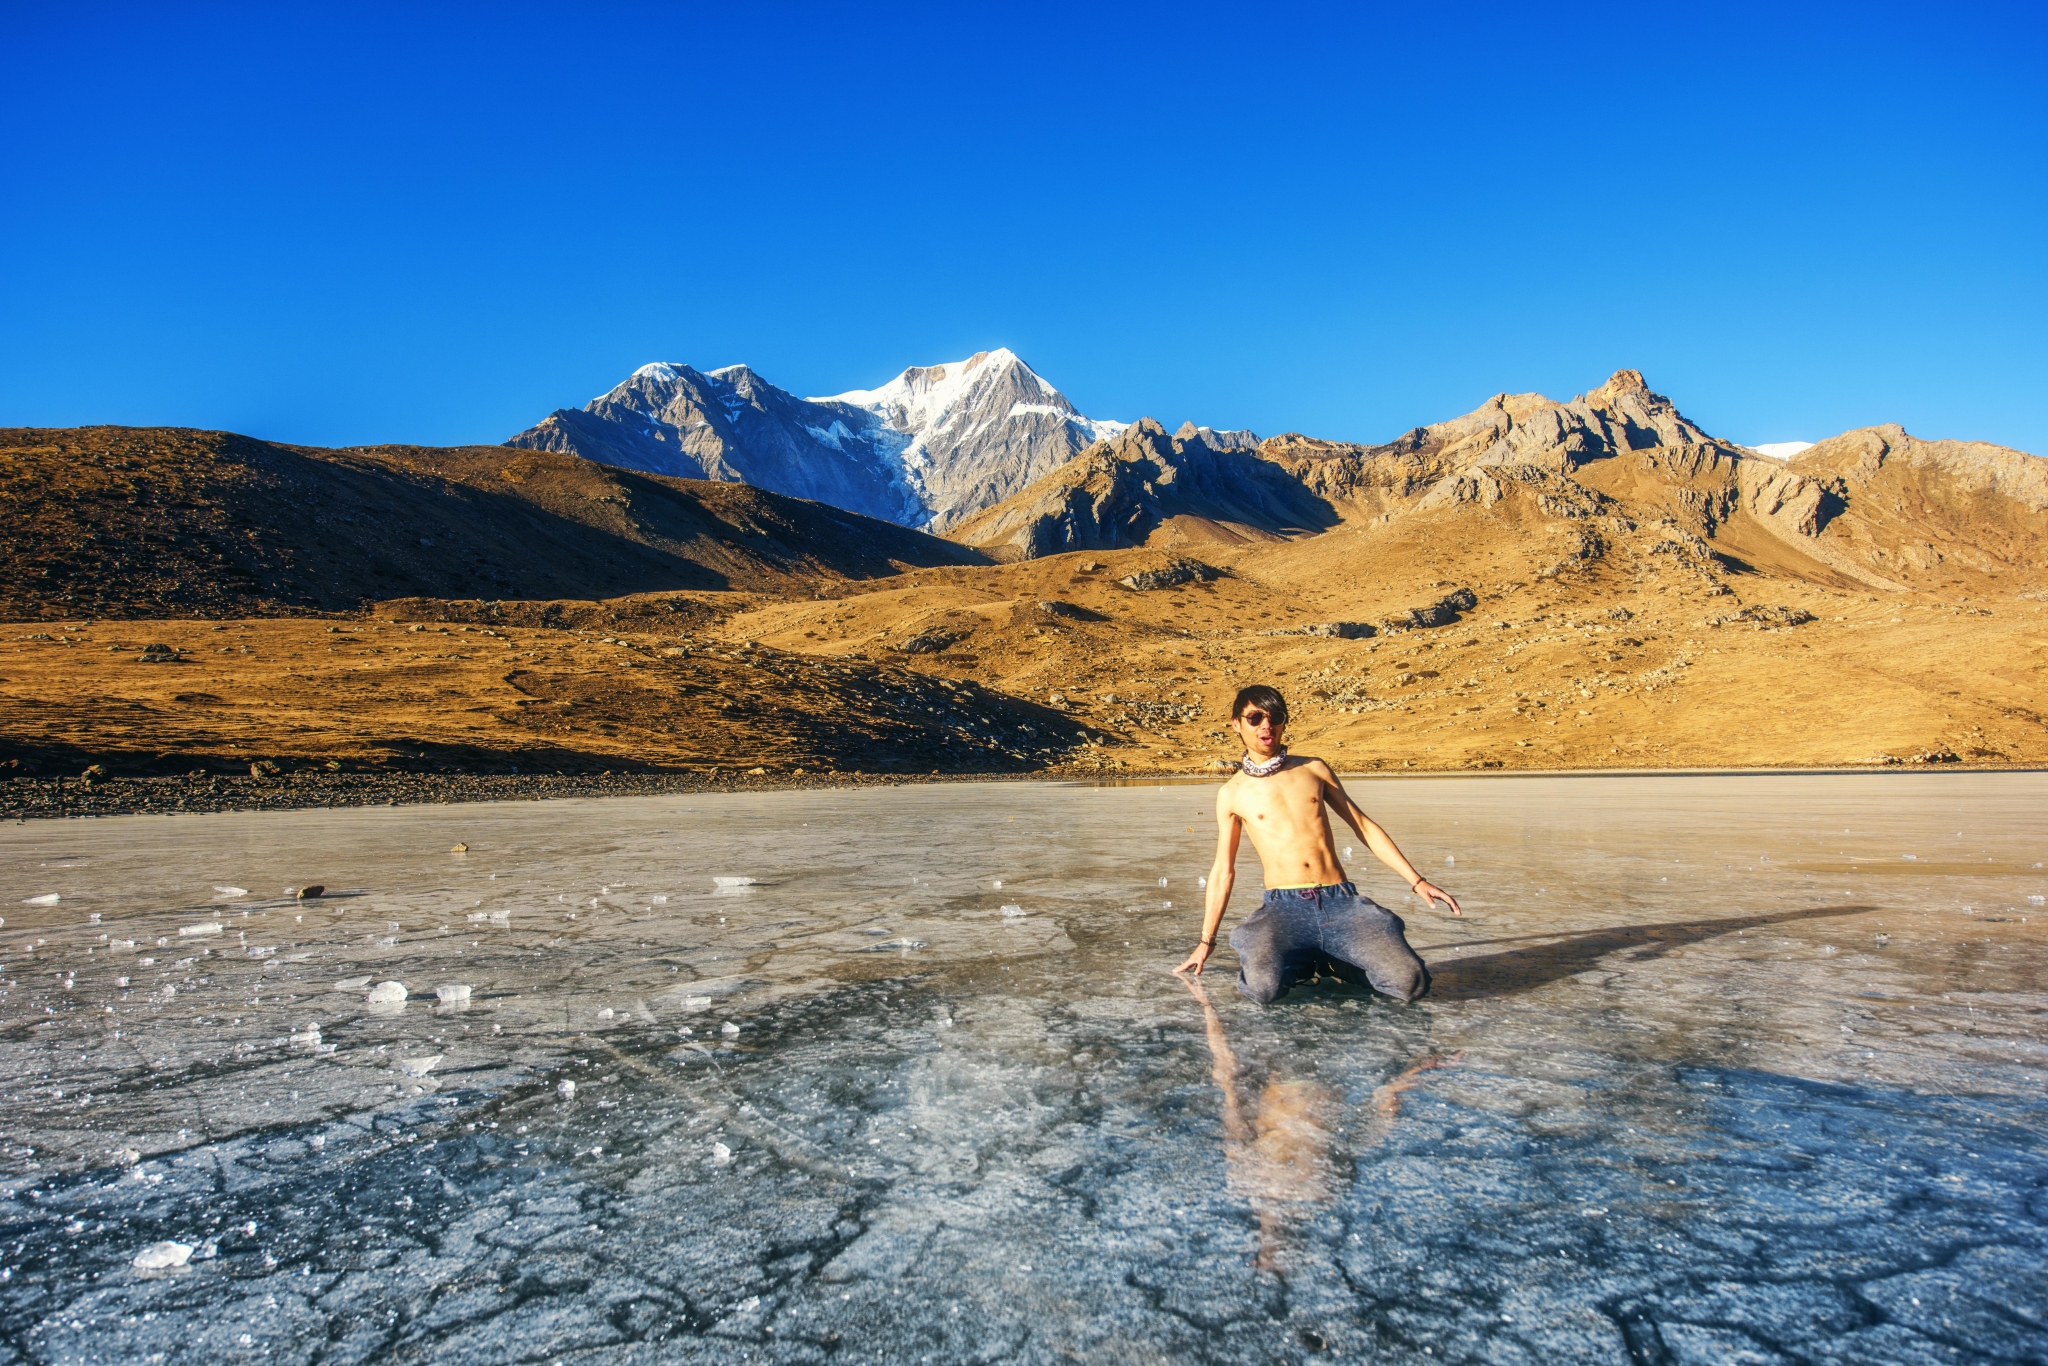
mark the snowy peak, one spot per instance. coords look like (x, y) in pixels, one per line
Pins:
(933, 445)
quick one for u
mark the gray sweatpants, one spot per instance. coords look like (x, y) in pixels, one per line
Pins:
(1300, 932)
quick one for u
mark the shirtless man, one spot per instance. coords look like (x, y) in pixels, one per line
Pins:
(1313, 919)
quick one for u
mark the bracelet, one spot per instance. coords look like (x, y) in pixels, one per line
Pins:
(1417, 883)
(1207, 943)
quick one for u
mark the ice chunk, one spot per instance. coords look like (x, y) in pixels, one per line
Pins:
(999, 884)
(696, 1003)
(50, 900)
(728, 882)
(659, 900)
(1347, 851)
(566, 1090)
(163, 1256)
(231, 892)
(1013, 910)
(720, 1155)
(1910, 858)
(387, 992)
(352, 984)
(120, 981)
(2031, 901)
(1203, 882)
(607, 1013)
(1162, 882)
(419, 1067)
(1883, 939)
(1450, 858)
(203, 928)
(729, 1029)
(452, 993)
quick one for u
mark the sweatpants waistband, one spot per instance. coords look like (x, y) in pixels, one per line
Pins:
(1283, 895)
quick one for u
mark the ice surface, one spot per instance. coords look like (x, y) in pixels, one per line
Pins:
(1636, 1120)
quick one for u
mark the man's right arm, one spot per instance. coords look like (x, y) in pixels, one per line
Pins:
(1222, 876)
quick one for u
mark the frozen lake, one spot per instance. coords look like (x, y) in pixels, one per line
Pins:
(1716, 1070)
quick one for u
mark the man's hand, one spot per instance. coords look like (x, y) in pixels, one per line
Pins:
(1431, 894)
(1196, 959)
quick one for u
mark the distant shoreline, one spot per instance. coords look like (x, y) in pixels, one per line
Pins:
(26, 799)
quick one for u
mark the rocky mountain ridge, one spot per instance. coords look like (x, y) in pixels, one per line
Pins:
(1875, 508)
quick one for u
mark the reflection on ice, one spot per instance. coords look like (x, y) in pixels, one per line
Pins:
(869, 1109)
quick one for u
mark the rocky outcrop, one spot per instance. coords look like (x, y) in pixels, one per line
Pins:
(1117, 493)
(1884, 507)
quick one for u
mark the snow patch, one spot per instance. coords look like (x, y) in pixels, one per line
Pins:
(1782, 450)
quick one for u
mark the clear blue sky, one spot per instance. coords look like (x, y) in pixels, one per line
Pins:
(348, 224)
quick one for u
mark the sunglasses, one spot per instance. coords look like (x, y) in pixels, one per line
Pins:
(1255, 718)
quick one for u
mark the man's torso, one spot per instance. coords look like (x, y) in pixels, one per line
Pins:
(1289, 825)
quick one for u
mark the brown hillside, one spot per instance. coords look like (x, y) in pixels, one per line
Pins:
(122, 521)
(1642, 596)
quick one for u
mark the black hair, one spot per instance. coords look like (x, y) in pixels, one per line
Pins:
(1261, 695)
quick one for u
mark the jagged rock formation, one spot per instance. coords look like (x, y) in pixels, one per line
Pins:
(1884, 507)
(1620, 465)
(1118, 493)
(935, 444)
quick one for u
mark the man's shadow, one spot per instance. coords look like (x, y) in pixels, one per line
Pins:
(1524, 969)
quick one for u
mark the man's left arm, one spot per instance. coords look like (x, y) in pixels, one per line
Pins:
(1382, 844)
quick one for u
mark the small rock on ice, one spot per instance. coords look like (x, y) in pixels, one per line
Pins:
(566, 1089)
(385, 992)
(50, 900)
(206, 927)
(452, 993)
(733, 881)
(163, 1256)
(419, 1067)
(729, 1029)
(458, 848)
(312, 893)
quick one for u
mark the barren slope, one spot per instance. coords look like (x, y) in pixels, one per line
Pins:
(129, 521)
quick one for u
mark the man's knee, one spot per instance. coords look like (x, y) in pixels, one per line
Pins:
(1260, 987)
(1406, 982)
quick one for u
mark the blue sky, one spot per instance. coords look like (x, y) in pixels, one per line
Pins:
(351, 224)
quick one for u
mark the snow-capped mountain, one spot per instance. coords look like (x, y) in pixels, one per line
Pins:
(934, 445)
